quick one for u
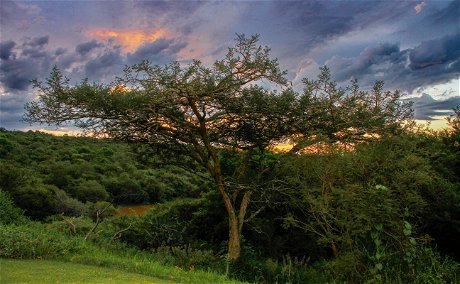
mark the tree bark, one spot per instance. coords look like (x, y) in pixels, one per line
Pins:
(235, 222)
(234, 238)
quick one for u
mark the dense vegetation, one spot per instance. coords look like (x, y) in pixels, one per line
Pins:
(364, 195)
(387, 210)
(46, 175)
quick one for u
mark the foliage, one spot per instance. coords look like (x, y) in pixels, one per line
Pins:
(195, 111)
(347, 114)
(33, 240)
(48, 175)
(167, 224)
(10, 214)
(91, 190)
(363, 196)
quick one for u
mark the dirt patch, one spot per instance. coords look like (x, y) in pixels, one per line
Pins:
(135, 210)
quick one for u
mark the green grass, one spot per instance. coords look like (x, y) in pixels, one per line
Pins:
(41, 242)
(46, 271)
(143, 263)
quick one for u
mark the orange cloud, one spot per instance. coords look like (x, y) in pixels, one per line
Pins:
(129, 39)
(419, 7)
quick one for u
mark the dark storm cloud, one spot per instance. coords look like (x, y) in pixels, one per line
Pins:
(431, 62)
(448, 14)
(160, 51)
(16, 74)
(434, 52)
(38, 41)
(85, 48)
(105, 64)
(6, 49)
(384, 54)
(318, 21)
(426, 107)
(32, 60)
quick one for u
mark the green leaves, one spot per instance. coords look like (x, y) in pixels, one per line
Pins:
(378, 227)
(407, 229)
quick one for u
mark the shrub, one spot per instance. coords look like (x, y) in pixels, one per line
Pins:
(165, 225)
(91, 190)
(9, 213)
(38, 200)
(71, 225)
(67, 205)
(34, 240)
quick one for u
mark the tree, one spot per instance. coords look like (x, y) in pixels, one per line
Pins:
(196, 111)
(192, 110)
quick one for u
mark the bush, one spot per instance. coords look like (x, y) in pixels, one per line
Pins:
(33, 240)
(71, 225)
(67, 205)
(9, 213)
(165, 225)
(91, 190)
(102, 208)
(38, 200)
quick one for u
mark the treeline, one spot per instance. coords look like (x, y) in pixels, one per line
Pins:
(47, 175)
(387, 211)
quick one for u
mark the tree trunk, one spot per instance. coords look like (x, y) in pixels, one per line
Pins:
(234, 238)
(235, 219)
(235, 222)
(335, 250)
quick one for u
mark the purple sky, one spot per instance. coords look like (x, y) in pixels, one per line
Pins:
(414, 46)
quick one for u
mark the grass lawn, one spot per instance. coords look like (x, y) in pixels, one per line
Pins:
(44, 271)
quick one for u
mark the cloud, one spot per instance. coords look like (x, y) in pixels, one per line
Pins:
(60, 51)
(12, 107)
(14, 13)
(38, 41)
(319, 22)
(432, 62)
(6, 49)
(168, 13)
(160, 51)
(86, 47)
(32, 60)
(370, 60)
(435, 52)
(419, 7)
(16, 74)
(129, 39)
(104, 65)
(426, 108)
(446, 16)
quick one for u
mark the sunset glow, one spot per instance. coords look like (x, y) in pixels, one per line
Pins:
(129, 39)
(368, 41)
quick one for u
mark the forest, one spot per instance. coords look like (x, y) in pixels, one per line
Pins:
(330, 185)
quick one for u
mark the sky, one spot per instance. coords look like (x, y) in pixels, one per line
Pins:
(414, 46)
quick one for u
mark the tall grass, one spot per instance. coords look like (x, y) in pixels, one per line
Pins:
(39, 241)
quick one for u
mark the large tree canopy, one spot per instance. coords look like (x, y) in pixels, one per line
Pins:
(196, 110)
